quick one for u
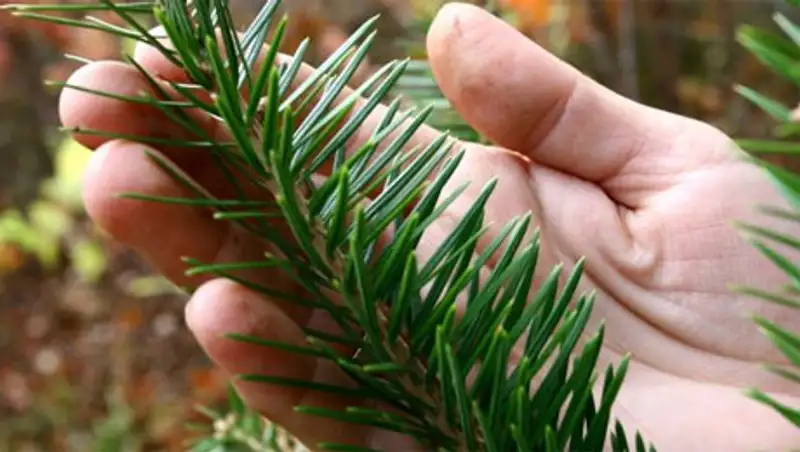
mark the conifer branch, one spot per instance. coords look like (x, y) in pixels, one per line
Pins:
(780, 53)
(446, 380)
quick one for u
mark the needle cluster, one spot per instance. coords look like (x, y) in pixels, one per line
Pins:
(456, 359)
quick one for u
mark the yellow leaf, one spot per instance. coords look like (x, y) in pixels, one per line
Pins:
(89, 260)
(71, 159)
(11, 259)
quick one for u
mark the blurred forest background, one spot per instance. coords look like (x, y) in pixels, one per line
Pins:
(94, 355)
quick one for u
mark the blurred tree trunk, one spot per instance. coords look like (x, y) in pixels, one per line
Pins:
(26, 160)
(665, 69)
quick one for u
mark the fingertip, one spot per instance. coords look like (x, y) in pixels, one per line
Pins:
(117, 167)
(473, 53)
(500, 81)
(162, 232)
(83, 103)
(221, 309)
(450, 22)
(100, 191)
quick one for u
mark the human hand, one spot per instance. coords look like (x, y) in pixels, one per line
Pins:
(646, 196)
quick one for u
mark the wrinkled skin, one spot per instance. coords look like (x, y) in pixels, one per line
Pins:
(648, 197)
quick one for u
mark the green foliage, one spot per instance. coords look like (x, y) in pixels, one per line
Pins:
(418, 85)
(17, 230)
(239, 429)
(60, 403)
(782, 54)
(114, 432)
(395, 315)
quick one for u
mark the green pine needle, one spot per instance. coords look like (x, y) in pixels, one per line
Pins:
(781, 53)
(355, 238)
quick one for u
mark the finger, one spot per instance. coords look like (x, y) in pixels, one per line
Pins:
(115, 116)
(526, 99)
(165, 233)
(220, 308)
(81, 108)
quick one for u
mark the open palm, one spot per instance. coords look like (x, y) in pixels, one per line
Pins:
(648, 197)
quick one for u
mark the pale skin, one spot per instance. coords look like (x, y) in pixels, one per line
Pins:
(649, 198)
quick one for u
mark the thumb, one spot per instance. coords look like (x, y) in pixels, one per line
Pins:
(524, 98)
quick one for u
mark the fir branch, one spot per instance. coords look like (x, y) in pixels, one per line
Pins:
(781, 54)
(242, 429)
(355, 239)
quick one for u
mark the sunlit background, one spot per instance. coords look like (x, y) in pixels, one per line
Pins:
(94, 355)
